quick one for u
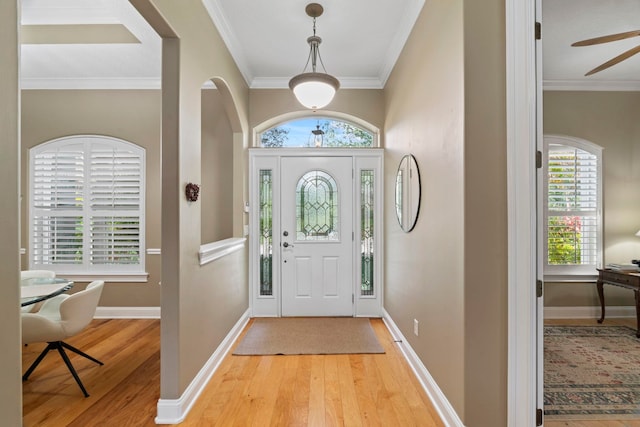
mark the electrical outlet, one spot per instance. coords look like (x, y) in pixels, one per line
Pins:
(415, 327)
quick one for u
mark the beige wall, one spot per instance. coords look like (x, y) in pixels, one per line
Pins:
(485, 258)
(10, 356)
(216, 189)
(200, 304)
(610, 120)
(445, 103)
(424, 270)
(130, 115)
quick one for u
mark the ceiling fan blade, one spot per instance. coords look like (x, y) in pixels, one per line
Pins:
(607, 39)
(615, 60)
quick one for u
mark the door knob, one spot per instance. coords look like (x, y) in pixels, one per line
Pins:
(286, 244)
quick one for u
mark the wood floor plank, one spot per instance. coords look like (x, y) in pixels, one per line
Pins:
(326, 390)
(283, 406)
(55, 388)
(271, 388)
(99, 381)
(223, 383)
(316, 392)
(362, 367)
(333, 398)
(300, 408)
(350, 407)
(264, 392)
(117, 404)
(231, 407)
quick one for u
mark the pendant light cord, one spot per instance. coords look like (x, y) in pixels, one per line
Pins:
(314, 51)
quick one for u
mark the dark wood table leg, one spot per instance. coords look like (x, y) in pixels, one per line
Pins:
(600, 286)
(637, 313)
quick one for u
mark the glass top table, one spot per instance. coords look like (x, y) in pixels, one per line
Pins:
(38, 289)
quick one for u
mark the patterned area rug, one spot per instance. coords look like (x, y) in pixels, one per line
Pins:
(591, 373)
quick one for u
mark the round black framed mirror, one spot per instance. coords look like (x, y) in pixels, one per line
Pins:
(408, 193)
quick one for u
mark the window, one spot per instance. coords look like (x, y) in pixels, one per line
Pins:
(299, 133)
(266, 231)
(367, 231)
(573, 207)
(87, 206)
(317, 207)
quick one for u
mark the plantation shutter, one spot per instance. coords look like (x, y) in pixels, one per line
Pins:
(572, 206)
(115, 206)
(88, 205)
(57, 188)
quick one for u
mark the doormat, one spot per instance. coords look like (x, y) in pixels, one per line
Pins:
(591, 373)
(309, 335)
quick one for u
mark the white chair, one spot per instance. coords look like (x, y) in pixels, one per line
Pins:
(59, 318)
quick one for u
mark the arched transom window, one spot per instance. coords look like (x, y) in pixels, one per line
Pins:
(316, 132)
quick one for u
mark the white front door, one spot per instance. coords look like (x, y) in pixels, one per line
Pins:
(316, 236)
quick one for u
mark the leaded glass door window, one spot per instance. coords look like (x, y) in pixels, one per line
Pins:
(317, 205)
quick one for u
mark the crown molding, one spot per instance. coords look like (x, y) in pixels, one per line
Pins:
(593, 85)
(90, 83)
(221, 22)
(397, 44)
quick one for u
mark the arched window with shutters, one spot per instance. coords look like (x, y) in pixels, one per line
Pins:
(86, 207)
(573, 207)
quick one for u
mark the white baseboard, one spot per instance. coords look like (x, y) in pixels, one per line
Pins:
(127, 313)
(443, 407)
(588, 312)
(174, 411)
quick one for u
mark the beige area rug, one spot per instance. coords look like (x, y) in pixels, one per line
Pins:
(309, 335)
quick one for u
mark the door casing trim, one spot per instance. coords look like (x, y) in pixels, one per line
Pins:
(269, 158)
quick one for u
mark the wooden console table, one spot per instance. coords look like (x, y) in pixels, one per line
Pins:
(624, 279)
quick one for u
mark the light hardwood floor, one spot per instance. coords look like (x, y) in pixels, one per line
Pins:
(322, 390)
(604, 423)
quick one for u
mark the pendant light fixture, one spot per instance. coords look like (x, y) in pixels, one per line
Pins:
(316, 139)
(314, 89)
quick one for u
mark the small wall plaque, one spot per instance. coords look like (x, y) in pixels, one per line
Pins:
(192, 191)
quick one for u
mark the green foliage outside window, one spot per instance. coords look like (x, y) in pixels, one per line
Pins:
(564, 240)
(274, 137)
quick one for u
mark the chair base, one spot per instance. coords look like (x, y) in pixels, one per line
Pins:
(60, 346)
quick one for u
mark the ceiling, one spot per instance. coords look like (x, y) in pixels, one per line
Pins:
(106, 44)
(266, 38)
(568, 21)
(114, 48)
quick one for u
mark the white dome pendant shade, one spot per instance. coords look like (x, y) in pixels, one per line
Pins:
(314, 90)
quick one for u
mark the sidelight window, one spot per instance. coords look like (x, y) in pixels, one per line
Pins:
(367, 243)
(265, 243)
